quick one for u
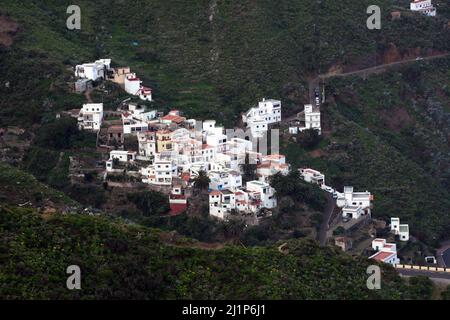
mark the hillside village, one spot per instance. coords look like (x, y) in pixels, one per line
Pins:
(174, 153)
(204, 151)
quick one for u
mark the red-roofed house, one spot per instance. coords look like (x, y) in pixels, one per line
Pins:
(387, 252)
(170, 118)
(177, 201)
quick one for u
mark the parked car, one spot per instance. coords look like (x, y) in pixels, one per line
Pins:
(430, 259)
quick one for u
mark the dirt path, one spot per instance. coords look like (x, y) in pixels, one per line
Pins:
(87, 94)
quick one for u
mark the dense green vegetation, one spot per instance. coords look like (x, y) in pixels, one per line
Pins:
(18, 187)
(397, 149)
(122, 262)
(150, 202)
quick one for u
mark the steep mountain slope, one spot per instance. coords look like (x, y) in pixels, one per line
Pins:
(389, 134)
(203, 54)
(216, 58)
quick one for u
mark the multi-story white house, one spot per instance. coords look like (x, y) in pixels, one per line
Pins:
(226, 179)
(218, 141)
(91, 117)
(161, 172)
(350, 201)
(145, 93)
(132, 125)
(402, 230)
(424, 7)
(93, 71)
(132, 84)
(221, 203)
(147, 144)
(268, 198)
(312, 120)
(259, 118)
(386, 252)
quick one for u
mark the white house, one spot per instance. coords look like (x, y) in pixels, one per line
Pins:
(267, 193)
(402, 230)
(177, 200)
(218, 141)
(403, 233)
(138, 112)
(424, 7)
(132, 84)
(145, 93)
(349, 199)
(312, 176)
(395, 225)
(122, 155)
(386, 252)
(259, 118)
(91, 116)
(227, 179)
(270, 166)
(221, 203)
(132, 125)
(312, 120)
(93, 71)
(147, 144)
(165, 171)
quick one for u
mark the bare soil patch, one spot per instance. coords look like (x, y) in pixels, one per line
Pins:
(8, 30)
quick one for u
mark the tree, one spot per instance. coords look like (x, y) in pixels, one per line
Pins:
(59, 134)
(248, 170)
(150, 202)
(201, 182)
(308, 139)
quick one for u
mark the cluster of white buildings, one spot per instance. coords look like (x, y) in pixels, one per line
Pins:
(101, 70)
(176, 149)
(258, 118)
(423, 6)
(255, 196)
(311, 120)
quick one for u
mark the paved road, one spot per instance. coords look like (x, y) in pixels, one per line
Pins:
(430, 274)
(331, 205)
(443, 254)
(446, 257)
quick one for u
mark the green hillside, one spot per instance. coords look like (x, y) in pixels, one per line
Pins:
(127, 262)
(214, 59)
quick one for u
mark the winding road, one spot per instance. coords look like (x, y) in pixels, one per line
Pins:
(329, 209)
(314, 83)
